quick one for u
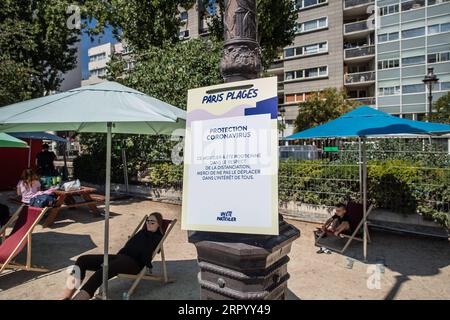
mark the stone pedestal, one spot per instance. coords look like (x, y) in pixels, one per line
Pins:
(244, 267)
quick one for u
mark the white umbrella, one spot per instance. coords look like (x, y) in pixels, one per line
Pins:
(108, 107)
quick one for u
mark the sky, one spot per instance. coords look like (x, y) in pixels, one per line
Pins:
(86, 43)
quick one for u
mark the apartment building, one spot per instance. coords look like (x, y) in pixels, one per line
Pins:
(314, 61)
(412, 36)
(99, 56)
(377, 50)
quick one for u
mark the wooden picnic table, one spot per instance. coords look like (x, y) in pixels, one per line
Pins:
(65, 199)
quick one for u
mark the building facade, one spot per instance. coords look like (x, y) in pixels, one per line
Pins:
(377, 50)
(412, 36)
(99, 56)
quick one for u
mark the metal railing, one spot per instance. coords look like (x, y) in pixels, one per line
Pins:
(359, 52)
(353, 3)
(360, 77)
(276, 65)
(358, 26)
(370, 101)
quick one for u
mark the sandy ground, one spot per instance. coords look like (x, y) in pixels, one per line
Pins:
(414, 268)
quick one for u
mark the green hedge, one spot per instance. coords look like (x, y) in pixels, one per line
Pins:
(398, 185)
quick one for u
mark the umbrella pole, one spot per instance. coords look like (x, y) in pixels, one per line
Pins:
(125, 169)
(29, 154)
(360, 170)
(107, 199)
(364, 179)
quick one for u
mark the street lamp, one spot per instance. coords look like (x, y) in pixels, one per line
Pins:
(282, 122)
(430, 79)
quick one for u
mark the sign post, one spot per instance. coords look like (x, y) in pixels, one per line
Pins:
(230, 191)
(231, 158)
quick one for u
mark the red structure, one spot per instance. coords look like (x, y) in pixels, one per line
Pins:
(14, 160)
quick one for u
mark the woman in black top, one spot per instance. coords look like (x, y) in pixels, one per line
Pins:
(136, 254)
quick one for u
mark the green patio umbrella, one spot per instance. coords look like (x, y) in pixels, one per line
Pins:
(7, 141)
(108, 107)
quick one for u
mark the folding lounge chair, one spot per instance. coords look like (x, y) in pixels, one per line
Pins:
(355, 213)
(25, 218)
(145, 273)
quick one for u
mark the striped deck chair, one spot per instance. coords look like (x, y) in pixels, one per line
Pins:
(24, 220)
(146, 273)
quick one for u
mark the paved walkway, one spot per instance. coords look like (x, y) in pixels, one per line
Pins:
(415, 268)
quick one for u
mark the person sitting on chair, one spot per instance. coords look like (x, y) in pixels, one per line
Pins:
(28, 185)
(136, 254)
(338, 223)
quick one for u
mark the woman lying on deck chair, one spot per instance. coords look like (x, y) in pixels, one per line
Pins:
(136, 254)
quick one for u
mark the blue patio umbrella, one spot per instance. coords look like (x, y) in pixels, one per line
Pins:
(364, 122)
(37, 136)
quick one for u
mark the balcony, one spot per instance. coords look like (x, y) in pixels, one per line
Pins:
(359, 29)
(368, 101)
(355, 8)
(359, 79)
(277, 67)
(280, 86)
(360, 54)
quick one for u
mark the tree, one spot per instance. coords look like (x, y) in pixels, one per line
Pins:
(36, 42)
(276, 25)
(442, 110)
(167, 73)
(141, 23)
(15, 81)
(322, 107)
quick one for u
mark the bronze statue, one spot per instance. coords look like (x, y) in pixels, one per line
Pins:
(241, 59)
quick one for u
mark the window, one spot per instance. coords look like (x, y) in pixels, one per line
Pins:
(307, 73)
(289, 75)
(183, 15)
(310, 49)
(312, 25)
(389, 91)
(388, 64)
(388, 37)
(433, 29)
(292, 98)
(413, 60)
(439, 57)
(445, 27)
(302, 4)
(97, 57)
(445, 85)
(413, 4)
(413, 88)
(437, 28)
(323, 71)
(289, 52)
(389, 9)
(184, 34)
(98, 72)
(432, 2)
(416, 32)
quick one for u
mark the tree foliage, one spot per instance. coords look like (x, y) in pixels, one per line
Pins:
(322, 107)
(441, 110)
(167, 73)
(142, 24)
(36, 42)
